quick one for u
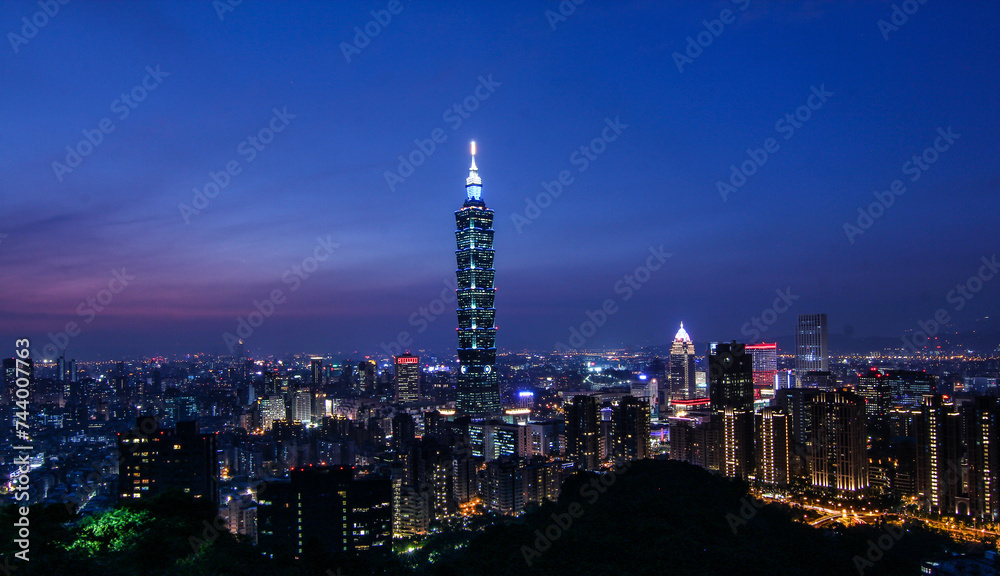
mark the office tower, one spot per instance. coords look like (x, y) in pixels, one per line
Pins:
(477, 392)
(329, 506)
(765, 365)
(407, 378)
(583, 431)
(774, 432)
(839, 458)
(630, 429)
(404, 432)
(797, 403)
(179, 458)
(120, 381)
(316, 367)
(984, 459)
(648, 391)
(811, 344)
(505, 440)
(366, 378)
(730, 376)
(908, 387)
(874, 387)
(681, 368)
(738, 442)
(938, 429)
(817, 379)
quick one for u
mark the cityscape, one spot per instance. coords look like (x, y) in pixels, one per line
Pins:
(742, 253)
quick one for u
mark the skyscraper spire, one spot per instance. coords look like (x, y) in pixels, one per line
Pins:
(473, 184)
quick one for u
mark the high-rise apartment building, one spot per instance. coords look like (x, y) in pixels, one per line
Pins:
(938, 429)
(181, 458)
(984, 458)
(839, 456)
(327, 505)
(630, 429)
(774, 433)
(583, 432)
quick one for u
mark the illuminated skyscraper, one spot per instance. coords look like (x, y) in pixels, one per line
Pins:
(774, 432)
(984, 458)
(938, 428)
(583, 432)
(765, 366)
(681, 369)
(407, 378)
(730, 376)
(478, 393)
(811, 352)
(839, 443)
(630, 429)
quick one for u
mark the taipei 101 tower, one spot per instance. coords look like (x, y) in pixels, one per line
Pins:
(478, 394)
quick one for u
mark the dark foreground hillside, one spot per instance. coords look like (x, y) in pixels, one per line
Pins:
(655, 517)
(673, 518)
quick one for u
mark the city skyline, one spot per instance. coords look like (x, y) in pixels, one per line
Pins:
(178, 273)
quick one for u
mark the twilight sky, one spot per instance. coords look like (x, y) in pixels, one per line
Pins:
(530, 96)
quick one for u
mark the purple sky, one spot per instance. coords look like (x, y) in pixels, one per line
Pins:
(548, 92)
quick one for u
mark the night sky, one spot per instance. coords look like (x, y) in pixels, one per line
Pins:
(542, 94)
